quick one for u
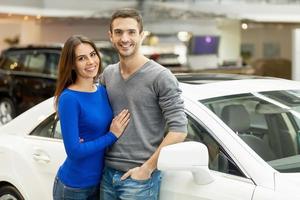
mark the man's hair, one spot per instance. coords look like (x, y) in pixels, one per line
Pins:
(127, 13)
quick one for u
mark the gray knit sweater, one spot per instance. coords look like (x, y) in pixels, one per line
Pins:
(153, 98)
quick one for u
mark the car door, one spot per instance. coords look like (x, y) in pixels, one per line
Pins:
(229, 183)
(47, 152)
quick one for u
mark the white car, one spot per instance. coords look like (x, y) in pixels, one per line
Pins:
(243, 143)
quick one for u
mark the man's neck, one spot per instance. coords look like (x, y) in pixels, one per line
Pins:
(130, 65)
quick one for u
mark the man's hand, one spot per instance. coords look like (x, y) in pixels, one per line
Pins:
(138, 173)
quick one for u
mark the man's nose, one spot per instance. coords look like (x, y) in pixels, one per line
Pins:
(125, 37)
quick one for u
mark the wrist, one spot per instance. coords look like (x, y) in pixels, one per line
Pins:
(147, 168)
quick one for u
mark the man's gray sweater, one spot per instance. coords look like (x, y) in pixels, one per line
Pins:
(153, 99)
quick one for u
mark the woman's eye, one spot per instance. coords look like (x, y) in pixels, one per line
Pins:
(81, 58)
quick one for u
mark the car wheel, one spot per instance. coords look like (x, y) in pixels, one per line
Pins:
(10, 193)
(7, 110)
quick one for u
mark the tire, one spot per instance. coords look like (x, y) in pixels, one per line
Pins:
(9, 192)
(7, 110)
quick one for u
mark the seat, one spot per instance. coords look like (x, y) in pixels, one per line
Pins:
(259, 146)
(238, 119)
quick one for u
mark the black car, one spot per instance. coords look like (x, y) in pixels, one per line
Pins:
(28, 76)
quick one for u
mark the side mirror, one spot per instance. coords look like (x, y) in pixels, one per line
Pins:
(186, 156)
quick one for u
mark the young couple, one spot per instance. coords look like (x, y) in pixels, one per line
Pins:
(113, 132)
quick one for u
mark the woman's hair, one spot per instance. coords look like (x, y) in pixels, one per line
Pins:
(66, 66)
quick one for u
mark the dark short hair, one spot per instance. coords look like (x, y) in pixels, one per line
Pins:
(127, 13)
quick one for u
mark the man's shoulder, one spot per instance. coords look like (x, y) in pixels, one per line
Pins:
(111, 68)
(155, 68)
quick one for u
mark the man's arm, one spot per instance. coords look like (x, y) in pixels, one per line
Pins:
(144, 172)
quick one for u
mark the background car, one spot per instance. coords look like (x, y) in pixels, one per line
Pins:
(28, 75)
(242, 143)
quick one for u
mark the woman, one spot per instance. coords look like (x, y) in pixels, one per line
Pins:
(86, 121)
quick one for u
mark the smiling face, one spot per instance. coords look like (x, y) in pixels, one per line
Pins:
(86, 61)
(126, 36)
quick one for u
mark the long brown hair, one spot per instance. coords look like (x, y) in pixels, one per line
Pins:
(66, 72)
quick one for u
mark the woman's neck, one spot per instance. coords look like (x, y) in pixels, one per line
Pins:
(83, 85)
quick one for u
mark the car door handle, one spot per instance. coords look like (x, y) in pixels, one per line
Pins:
(39, 157)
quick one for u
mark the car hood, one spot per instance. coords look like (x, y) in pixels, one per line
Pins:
(288, 182)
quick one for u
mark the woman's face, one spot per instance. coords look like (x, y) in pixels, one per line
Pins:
(86, 61)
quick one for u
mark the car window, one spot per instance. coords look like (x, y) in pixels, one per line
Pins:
(218, 158)
(11, 61)
(268, 122)
(35, 62)
(52, 64)
(49, 128)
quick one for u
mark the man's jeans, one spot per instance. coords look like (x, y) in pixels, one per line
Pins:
(113, 188)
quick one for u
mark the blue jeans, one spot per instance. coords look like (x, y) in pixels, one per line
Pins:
(113, 188)
(63, 192)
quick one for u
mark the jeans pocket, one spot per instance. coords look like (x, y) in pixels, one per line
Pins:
(139, 181)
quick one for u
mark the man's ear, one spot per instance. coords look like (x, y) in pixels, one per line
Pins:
(143, 35)
(109, 35)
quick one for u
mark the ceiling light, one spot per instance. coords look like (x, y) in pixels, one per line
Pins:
(183, 36)
(244, 26)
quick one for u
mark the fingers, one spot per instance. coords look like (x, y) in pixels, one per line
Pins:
(124, 121)
(126, 175)
(122, 114)
(123, 118)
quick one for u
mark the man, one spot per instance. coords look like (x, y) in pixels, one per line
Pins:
(150, 92)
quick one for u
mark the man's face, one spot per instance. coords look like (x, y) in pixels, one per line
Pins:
(126, 36)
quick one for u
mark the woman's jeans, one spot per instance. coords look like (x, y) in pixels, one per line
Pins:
(113, 188)
(63, 192)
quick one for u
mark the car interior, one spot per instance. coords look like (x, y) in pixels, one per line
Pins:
(268, 126)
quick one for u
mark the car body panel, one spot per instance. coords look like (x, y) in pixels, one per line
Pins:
(31, 161)
(231, 87)
(180, 185)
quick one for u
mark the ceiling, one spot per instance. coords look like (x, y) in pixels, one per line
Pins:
(252, 10)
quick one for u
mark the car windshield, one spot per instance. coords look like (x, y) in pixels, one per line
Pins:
(269, 122)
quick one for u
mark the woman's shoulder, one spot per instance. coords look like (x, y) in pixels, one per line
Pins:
(67, 96)
(101, 87)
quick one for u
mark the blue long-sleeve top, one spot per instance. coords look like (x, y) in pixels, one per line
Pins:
(85, 119)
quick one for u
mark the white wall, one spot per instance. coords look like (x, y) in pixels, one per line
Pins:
(197, 27)
(9, 29)
(230, 40)
(228, 30)
(295, 56)
(258, 34)
(59, 31)
(50, 31)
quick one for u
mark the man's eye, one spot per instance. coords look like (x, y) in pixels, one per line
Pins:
(117, 32)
